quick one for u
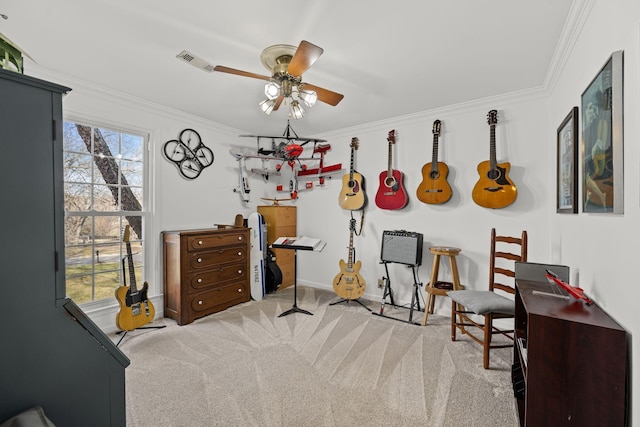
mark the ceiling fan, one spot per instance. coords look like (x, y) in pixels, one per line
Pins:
(287, 64)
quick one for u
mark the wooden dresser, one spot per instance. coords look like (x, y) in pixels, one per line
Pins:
(205, 271)
(281, 221)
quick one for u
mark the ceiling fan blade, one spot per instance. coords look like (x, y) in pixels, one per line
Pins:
(306, 54)
(325, 95)
(278, 102)
(228, 70)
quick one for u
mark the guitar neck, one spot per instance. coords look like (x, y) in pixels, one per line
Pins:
(351, 251)
(351, 165)
(434, 157)
(132, 273)
(492, 146)
(390, 161)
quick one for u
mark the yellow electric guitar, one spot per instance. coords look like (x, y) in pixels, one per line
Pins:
(348, 284)
(494, 188)
(135, 309)
(352, 196)
(434, 188)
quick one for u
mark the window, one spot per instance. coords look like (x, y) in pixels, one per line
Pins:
(104, 177)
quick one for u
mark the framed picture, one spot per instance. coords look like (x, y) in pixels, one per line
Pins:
(602, 140)
(567, 172)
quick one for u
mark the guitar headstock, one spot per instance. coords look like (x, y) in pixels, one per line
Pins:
(436, 127)
(127, 234)
(492, 117)
(392, 137)
(354, 143)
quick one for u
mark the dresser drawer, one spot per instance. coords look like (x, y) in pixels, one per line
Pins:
(208, 300)
(207, 259)
(214, 240)
(218, 275)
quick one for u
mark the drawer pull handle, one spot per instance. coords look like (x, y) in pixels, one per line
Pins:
(239, 253)
(200, 302)
(199, 280)
(240, 238)
(239, 271)
(199, 242)
(199, 260)
(239, 290)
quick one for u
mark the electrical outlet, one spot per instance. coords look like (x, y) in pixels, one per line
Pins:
(381, 283)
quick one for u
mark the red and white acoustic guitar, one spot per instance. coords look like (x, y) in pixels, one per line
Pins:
(494, 188)
(352, 196)
(391, 194)
(434, 188)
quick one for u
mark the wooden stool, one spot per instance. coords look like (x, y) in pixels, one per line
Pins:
(436, 287)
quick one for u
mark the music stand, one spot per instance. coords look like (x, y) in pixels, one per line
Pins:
(290, 244)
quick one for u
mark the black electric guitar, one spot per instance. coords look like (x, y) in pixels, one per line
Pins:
(348, 284)
(494, 188)
(352, 196)
(434, 188)
(135, 309)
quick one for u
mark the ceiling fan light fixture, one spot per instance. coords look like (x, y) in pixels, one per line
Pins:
(267, 105)
(271, 90)
(309, 97)
(296, 110)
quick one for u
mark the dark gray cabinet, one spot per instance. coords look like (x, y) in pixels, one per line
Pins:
(52, 354)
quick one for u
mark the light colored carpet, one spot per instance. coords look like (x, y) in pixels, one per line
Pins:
(342, 366)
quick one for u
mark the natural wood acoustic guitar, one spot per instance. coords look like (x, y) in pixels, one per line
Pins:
(352, 195)
(434, 188)
(494, 188)
(348, 284)
(391, 194)
(135, 309)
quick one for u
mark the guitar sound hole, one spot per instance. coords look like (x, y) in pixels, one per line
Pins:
(390, 182)
(351, 184)
(434, 175)
(493, 174)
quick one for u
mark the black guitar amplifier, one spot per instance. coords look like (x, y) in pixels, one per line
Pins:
(404, 247)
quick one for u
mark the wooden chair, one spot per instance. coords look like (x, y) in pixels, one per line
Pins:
(471, 309)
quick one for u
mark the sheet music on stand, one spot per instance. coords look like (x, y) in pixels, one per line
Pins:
(303, 243)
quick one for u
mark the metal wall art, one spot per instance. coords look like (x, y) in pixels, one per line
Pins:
(189, 154)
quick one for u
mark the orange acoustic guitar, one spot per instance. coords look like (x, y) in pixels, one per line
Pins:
(494, 188)
(391, 194)
(348, 284)
(434, 188)
(135, 309)
(352, 195)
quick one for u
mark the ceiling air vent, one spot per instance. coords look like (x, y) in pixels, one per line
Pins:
(195, 61)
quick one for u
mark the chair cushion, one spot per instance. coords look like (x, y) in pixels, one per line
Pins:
(483, 302)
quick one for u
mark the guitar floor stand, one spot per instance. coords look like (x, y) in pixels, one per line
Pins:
(141, 327)
(349, 300)
(388, 292)
(124, 281)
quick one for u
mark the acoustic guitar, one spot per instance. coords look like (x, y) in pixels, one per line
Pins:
(391, 194)
(494, 188)
(135, 309)
(434, 188)
(352, 195)
(348, 284)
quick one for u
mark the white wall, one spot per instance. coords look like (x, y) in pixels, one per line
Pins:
(598, 248)
(601, 249)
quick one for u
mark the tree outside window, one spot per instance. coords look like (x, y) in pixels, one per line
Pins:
(104, 192)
